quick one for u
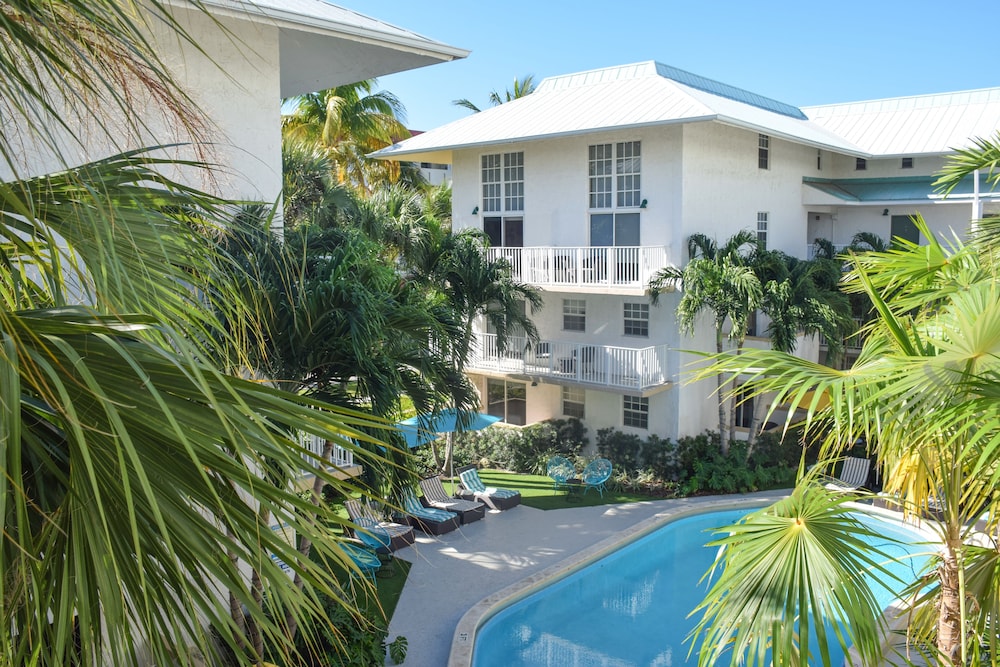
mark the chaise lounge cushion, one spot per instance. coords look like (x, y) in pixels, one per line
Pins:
(430, 520)
(436, 496)
(474, 489)
(362, 514)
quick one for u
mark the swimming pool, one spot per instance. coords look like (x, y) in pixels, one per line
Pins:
(630, 607)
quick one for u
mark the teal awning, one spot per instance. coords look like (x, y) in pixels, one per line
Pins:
(908, 188)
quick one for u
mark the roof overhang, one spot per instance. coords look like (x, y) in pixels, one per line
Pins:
(883, 191)
(322, 45)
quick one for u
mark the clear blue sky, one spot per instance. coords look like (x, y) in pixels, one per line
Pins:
(802, 52)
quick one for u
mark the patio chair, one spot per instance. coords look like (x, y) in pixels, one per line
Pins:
(853, 475)
(473, 488)
(595, 475)
(435, 496)
(365, 558)
(561, 470)
(362, 514)
(430, 520)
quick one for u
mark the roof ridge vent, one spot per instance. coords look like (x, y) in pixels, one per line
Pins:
(730, 92)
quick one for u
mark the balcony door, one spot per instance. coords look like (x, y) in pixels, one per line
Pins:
(507, 232)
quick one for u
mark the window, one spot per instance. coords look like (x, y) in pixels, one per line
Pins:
(573, 401)
(819, 160)
(860, 164)
(503, 192)
(574, 315)
(762, 228)
(507, 400)
(514, 330)
(907, 163)
(637, 319)
(615, 174)
(763, 151)
(636, 411)
(744, 408)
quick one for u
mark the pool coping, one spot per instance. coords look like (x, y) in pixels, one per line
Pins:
(464, 638)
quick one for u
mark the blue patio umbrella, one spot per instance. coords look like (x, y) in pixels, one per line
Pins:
(424, 428)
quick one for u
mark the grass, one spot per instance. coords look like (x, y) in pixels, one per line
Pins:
(536, 491)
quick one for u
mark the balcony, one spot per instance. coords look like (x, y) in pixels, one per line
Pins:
(600, 365)
(341, 462)
(624, 268)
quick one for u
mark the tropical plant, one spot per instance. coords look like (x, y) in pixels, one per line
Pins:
(720, 281)
(522, 88)
(137, 475)
(349, 122)
(922, 394)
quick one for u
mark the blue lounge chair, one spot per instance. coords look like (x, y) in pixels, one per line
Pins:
(365, 558)
(595, 475)
(474, 489)
(430, 520)
(561, 471)
(362, 514)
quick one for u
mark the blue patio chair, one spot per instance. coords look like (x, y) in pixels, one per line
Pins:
(430, 520)
(595, 475)
(561, 470)
(364, 515)
(474, 489)
(365, 559)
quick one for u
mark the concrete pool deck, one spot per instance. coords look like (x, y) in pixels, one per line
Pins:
(507, 554)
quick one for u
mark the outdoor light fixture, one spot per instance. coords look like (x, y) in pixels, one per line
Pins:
(885, 211)
(643, 204)
(475, 211)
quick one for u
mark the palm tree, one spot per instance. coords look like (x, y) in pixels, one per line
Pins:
(132, 493)
(922, 394)
(717, 280)
(522, 88)
(349, 122)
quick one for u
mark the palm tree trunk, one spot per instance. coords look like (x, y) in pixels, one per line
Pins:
(723, 440)
(950, 642)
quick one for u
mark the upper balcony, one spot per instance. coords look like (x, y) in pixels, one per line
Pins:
(624, 269)
(607, 366)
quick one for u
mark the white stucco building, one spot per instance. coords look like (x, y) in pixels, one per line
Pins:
(596, 180)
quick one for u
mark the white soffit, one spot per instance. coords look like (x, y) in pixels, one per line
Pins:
(926, 124)
(323, 45)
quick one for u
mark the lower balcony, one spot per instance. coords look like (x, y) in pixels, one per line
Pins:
(341, 463)
(611, 267)
(601, 365)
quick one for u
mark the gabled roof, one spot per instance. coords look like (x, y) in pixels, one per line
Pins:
(323, 45)
(638, 95)
(925, 124)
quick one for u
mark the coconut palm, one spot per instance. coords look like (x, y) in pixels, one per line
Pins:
(137, 475)
(923, 395)
(349, 122)
(719, 281)
(521, 88)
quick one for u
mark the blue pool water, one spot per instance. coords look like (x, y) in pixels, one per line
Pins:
(631, 607)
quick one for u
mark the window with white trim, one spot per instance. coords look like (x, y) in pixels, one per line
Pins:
(635, 411)
(637, 319)
(860, 164)
(762, 228)
(507, 400)
(744, 407)
(574, 314)
(502, 176)
(615, 176)
(573, 401)
(763, 151)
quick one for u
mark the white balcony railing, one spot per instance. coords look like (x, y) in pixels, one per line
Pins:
(611, 366)
(340, 458)
(588, 266)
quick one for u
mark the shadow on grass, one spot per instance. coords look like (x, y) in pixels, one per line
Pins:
(537, 491)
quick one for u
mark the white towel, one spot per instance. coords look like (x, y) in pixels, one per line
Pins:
(485, 497)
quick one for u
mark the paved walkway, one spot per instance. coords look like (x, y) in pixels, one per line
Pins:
(454, 572)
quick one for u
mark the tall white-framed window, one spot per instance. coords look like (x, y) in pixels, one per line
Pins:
(743, 414)
(635, 411)
(636, 319)
(507, 400)
(574, 314)
(502, 176)
(615, 176)
(763, 151)
(573, 401)
(762, 217)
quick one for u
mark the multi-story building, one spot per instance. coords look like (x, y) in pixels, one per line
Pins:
(595, 181)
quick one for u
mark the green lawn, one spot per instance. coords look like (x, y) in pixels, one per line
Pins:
(536, 491)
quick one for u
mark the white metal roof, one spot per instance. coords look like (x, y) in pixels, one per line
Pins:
(323, 45)
(925, 124)
(641, 94)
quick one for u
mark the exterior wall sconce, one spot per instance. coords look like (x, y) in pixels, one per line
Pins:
(885, 211)
(475, 211)
(644, 203)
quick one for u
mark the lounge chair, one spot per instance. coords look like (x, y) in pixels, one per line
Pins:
(473, 489)
(362, 514)
(853, 475)
(435, 496)
(595, 475)
(561, 470)
(430, 520)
